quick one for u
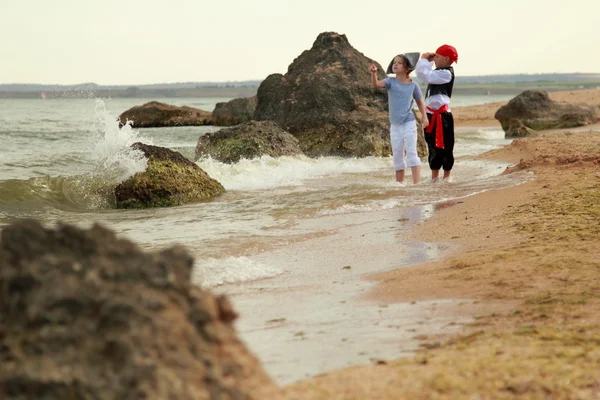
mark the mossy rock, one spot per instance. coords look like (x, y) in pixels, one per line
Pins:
(250, 140)
(364, 136)
(169, 180)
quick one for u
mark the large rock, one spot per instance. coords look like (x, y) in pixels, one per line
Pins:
(169, 180)
(533, 110)
(155, 114)
(326, 100)
(85, 315)
(250, 140)
(234, 112)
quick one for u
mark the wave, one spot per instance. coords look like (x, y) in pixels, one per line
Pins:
(30, 197)
(267, 172)
(110, 162)
(213, 272)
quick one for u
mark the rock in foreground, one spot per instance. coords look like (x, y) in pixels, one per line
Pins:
(85, 315)
(249, 140)
(155, 114)
(533, 111)
(169, 180)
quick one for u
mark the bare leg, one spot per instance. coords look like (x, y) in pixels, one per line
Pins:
(447, 177)
(434, 174)
(400, 176)
(416, 173)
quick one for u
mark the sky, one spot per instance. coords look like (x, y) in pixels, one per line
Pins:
(133, 42)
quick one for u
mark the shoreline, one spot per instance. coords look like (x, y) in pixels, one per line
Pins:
(512, 272)
(311, 320)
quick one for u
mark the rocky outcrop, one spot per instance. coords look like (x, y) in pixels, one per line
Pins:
(169, 180)
(155, 114)
(533, 111)
(86, 315)
(325, 99)
(249, 140)
(234, 112)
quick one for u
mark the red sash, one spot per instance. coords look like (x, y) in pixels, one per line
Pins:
(436, 119)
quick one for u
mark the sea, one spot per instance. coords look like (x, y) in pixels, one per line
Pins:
(290, 241)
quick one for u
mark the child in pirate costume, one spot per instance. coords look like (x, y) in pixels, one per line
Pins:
(403, 92)
(440, 133)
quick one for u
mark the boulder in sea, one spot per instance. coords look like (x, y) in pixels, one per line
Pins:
(250, 140)
(326, 100)
(234, 112)
(87, 315)
(533, 111)
(169, 180)
(155, 114)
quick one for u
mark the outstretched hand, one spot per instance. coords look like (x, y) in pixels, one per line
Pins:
(373, 68)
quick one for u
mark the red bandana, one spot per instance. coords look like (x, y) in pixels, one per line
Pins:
(448, 51)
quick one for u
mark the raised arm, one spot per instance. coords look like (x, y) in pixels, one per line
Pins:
(374, 82)
(427, 74)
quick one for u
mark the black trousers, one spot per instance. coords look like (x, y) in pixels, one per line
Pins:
(441, 158)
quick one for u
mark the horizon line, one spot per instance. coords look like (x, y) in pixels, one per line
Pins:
(260, 80)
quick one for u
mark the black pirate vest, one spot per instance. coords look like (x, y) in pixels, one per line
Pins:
(444, 88)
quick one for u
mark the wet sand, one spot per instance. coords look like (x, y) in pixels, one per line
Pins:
(522, 263)
(313, 318)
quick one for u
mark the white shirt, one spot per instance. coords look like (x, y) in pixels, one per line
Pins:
(427, 74)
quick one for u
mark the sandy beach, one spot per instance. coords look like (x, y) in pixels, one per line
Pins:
(522, 263)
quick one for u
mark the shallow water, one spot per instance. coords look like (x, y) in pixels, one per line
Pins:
(277, 241)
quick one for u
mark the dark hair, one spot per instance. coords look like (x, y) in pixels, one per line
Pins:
(406, 62)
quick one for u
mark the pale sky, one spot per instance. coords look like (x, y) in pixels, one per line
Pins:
(128, 42)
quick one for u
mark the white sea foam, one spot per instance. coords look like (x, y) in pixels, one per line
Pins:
(479, 141)
(268, 172)
(213, 272)
(354, 208)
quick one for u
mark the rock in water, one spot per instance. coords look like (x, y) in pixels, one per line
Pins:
(169, 180)
(326, 100)
(155, 114)
(250, 140)
(234, 112)
(86, 315)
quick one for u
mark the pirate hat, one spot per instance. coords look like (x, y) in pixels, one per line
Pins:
(410, 60)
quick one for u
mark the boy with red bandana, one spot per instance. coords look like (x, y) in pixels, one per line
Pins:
(440, 133)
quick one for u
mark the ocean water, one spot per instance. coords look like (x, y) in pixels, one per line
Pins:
(276, 241)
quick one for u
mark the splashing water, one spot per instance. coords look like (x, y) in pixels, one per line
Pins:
(268, 172)
(113, 156)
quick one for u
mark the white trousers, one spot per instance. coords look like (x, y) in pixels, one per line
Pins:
(404, 137)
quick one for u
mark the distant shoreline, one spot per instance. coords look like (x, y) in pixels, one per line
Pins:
(465, 87)
(225, 92)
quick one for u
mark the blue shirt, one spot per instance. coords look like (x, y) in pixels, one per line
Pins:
(400, 99)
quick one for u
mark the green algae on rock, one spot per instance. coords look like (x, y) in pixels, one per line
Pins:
(250, 140)
(169, 180)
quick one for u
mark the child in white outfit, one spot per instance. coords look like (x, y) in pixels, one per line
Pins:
(402, 94)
